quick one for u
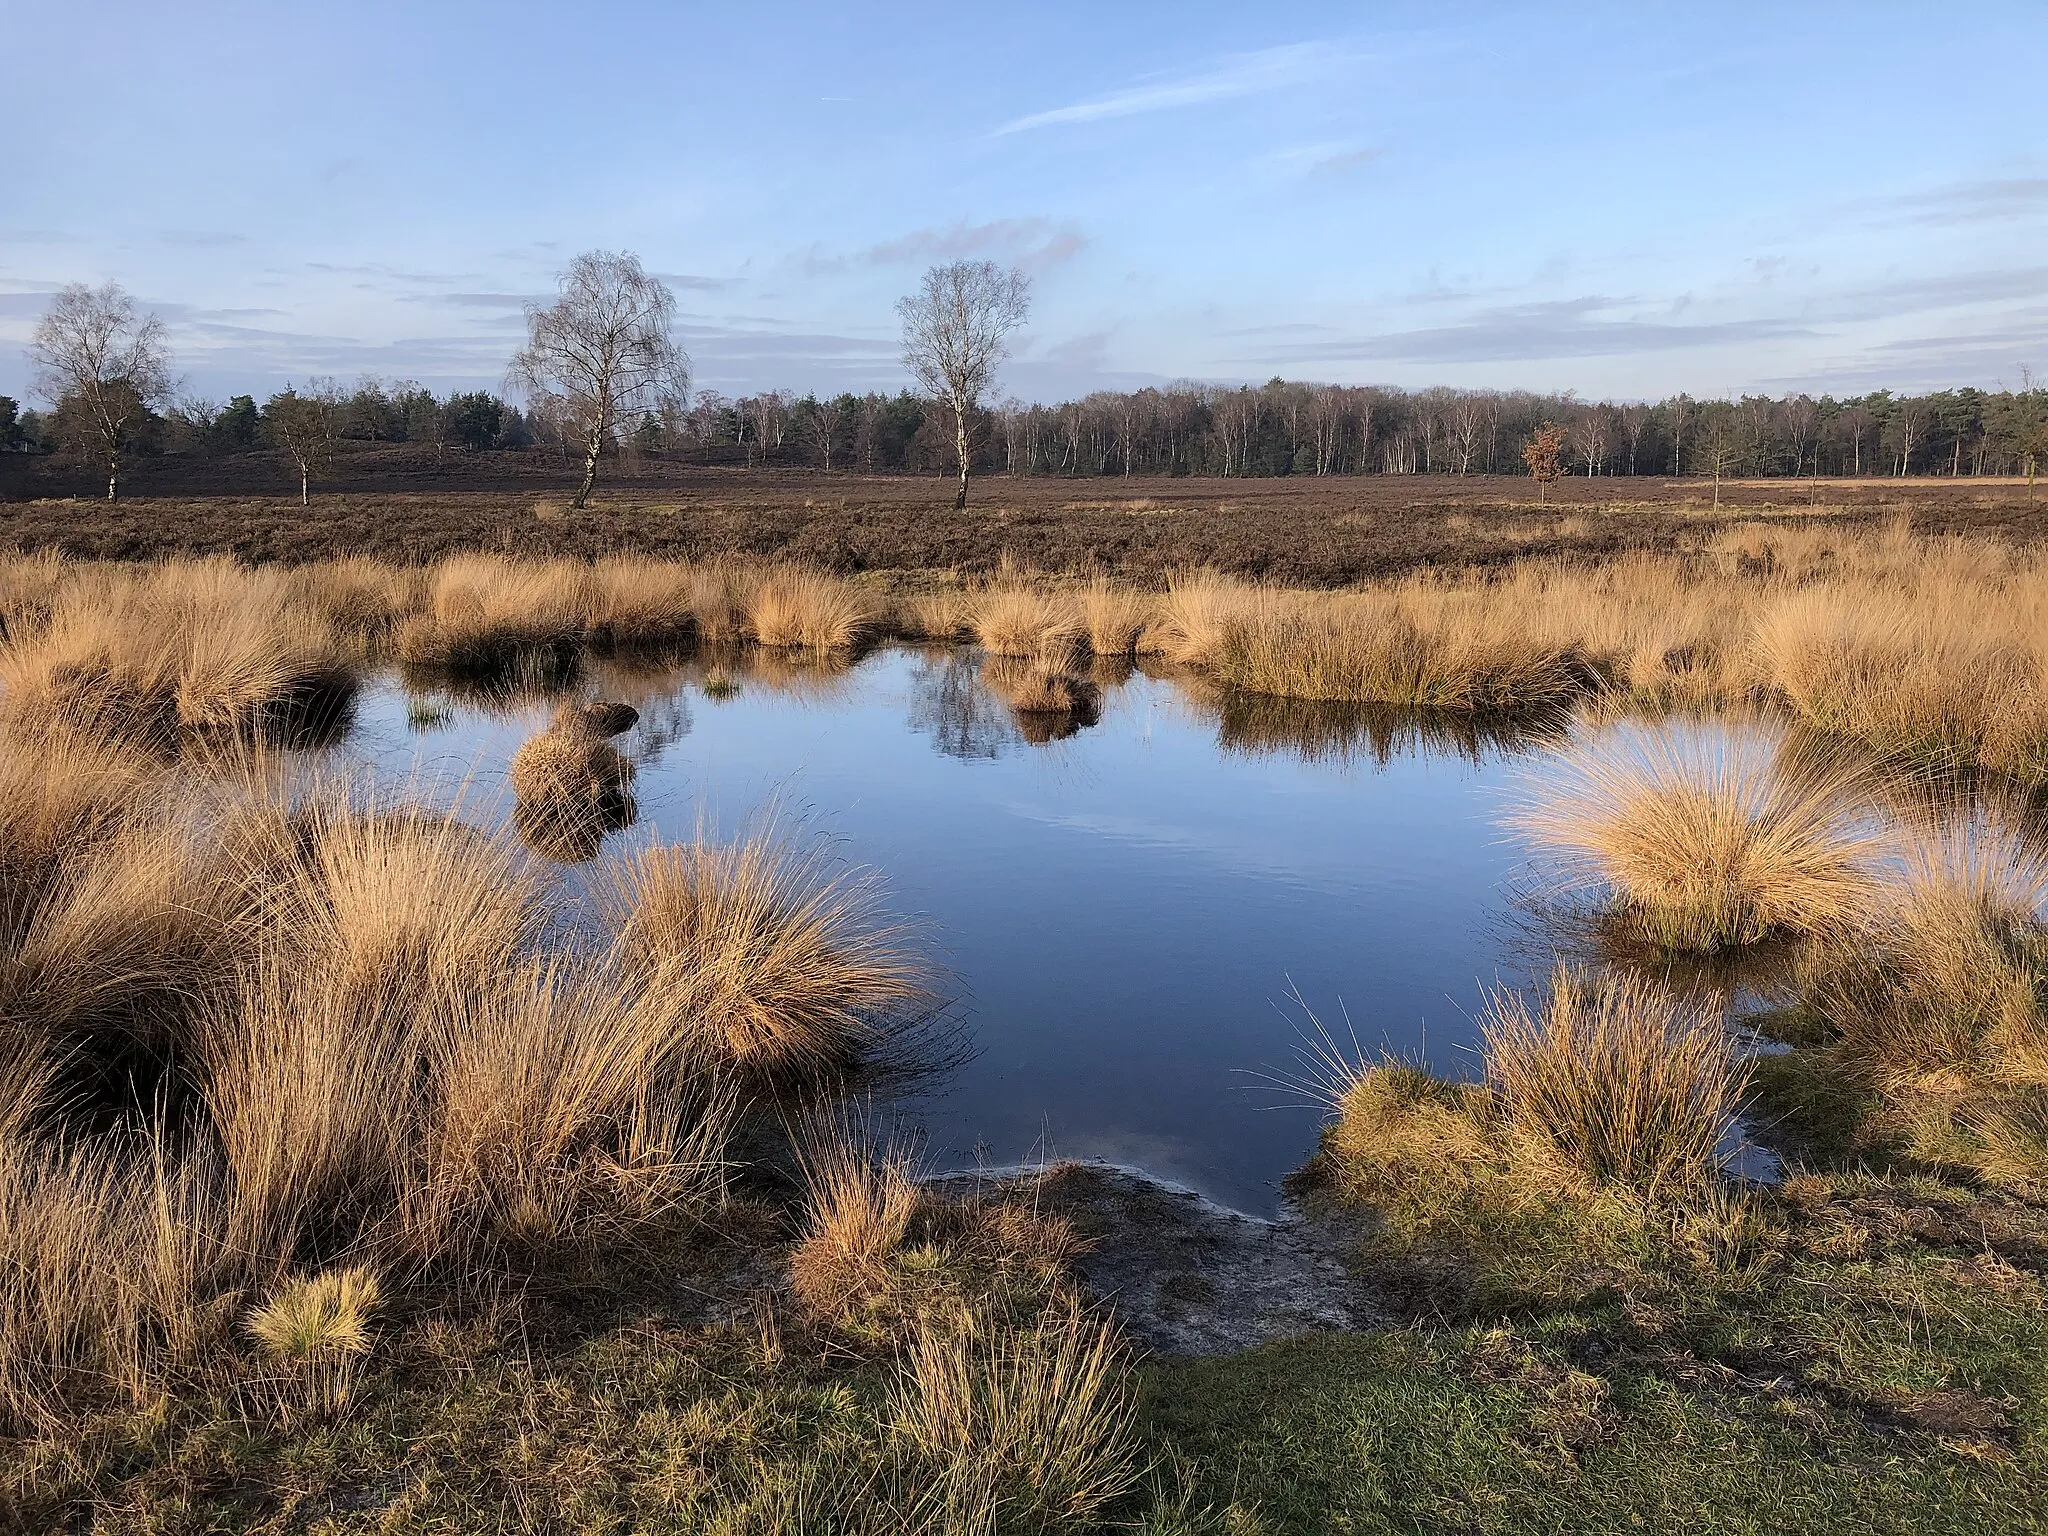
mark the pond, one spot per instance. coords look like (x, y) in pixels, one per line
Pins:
(1134, 920)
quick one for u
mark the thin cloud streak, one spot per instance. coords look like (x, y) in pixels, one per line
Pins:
(1247, 74)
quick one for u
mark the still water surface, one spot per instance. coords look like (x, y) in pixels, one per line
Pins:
(1123, 915)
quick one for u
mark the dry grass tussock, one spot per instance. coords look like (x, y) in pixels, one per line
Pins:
(287, 1036)
(1934, 1008)
(769, 959)
(1025, 1428)
(796, 609)
(1596, 1128)
(1012, 618)
(568, 768)
(883, 1257)
(188, 647)
(1702, 836)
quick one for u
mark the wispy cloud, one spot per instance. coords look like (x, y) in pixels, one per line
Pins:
(1976, 201)
(1567, 328)
(1034, 243)
(1306, 160)
(1244, 74)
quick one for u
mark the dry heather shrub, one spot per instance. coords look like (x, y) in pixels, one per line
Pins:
(1118, 620)
(1704, 837)
(595, 717)
(796, 609)
(568, 767)
(1022, 1427)
(757, 950)
(1010, 619)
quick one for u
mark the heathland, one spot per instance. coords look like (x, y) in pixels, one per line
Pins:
(357, 1173)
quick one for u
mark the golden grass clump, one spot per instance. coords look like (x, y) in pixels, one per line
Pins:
(1031, 1427)
(1421, 645)
(568, 767)
(566, 1114)
(632, 600)
(776, 964)
(479, 611)
(1200, 611)
(1934, 1007)
(61, 797)
(1011, 618)
(1704, 837)
(1593, 1138)
(1625, 1084)
(884, 1256)
(857, 1219)
(945, 615)
(112, 1254)
(193, 646)
(127, 942)
(797, 609)
(327, 1314)
(1118, 621)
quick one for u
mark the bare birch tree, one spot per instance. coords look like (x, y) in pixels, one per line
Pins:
(306, 423)
(955, 329)
(95, 348)
(604, 354)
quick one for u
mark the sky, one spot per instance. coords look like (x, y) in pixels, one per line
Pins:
(1624, 200)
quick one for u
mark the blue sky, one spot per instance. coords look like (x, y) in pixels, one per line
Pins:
(1619, 199)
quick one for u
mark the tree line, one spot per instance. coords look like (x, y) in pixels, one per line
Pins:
(602, 376)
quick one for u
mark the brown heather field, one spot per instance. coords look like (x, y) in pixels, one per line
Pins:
(407, 504)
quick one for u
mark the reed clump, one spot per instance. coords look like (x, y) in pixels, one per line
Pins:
(1700, 839)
